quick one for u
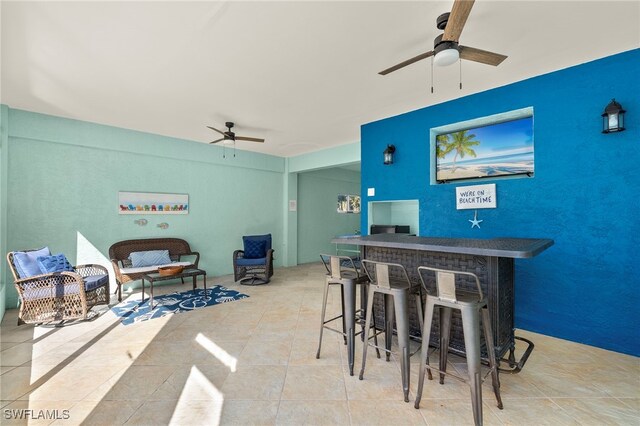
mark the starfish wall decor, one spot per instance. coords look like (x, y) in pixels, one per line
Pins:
(475, 221)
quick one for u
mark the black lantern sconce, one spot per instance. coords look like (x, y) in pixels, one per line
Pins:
(388, 154)
(613, 118)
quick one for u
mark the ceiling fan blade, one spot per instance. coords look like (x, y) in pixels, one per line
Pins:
(243, 138)
(407, 62)
(219, 131)
(457, 18)
(482, 56)
(221, 139)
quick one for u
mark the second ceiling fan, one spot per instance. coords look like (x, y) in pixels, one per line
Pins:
(229, 135)
(446, 49)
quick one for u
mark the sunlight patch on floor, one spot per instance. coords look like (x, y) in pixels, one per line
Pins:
(198, 387)
(218, 352)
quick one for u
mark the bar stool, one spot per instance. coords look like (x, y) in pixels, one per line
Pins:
(342, 271)
(391, 280)
(471, 305)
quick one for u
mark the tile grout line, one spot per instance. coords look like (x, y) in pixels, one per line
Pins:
(563, 410)
(286, 371)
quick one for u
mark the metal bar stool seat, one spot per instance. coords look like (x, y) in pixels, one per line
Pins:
(472, 305)
(391, 280)
(342, 271)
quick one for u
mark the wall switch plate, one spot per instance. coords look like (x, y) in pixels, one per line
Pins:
(371, 192)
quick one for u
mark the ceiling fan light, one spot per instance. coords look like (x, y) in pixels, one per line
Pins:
(446, 57)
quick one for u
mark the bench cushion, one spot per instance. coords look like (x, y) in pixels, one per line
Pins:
(141, 270)
(94, 281)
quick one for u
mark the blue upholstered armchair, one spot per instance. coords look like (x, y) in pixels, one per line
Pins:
(254, 264)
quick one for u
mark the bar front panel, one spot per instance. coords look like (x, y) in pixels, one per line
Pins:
(496, 280)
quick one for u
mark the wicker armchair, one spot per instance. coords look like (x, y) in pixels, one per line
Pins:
(254, 264)
(60, 296)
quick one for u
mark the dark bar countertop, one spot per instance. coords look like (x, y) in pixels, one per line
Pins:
(499, 247)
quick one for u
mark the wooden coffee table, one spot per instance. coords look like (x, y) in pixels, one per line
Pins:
(155, 277)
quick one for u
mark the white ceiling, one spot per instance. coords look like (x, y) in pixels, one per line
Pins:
(301, 74)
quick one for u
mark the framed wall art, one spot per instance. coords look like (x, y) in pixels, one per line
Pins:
(152, 203)
(348, 203)
(484, 148)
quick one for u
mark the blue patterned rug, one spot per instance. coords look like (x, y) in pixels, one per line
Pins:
(132, 311)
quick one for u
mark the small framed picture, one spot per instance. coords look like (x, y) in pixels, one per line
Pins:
(348, 203)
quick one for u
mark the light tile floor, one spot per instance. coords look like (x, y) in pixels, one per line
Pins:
(253, 362)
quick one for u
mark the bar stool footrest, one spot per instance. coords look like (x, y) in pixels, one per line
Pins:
(332, 319)
(516, 366)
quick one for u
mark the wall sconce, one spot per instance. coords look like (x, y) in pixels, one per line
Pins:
(388, 154)
(613, 118)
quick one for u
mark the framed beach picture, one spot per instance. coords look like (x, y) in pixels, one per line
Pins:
(493, 150)
(152, 203)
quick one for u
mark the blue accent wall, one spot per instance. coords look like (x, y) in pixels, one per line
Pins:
(584, 195)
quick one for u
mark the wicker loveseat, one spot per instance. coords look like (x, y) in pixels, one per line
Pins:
(59, 296)
(119, 252)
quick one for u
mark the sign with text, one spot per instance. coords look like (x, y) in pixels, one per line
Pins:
(476, 197)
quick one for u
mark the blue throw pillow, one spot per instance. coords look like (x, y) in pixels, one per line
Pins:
(255, 249)
(26, 263)
(55, 263)
(140, 259)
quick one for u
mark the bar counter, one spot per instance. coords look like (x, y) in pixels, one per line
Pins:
(492, 260)
(501, 247)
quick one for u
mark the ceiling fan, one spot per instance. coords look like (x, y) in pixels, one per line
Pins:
(231, 136)
(446, 49)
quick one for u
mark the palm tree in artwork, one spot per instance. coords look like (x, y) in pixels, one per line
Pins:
(442, 146)
(462, 142)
